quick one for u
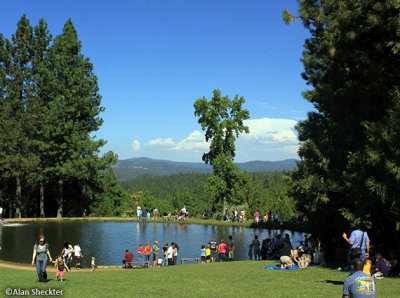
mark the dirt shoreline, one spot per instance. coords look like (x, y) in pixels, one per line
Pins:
(51, 268)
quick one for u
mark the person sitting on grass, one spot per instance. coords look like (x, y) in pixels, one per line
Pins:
(285, 253)
(61, 266)
(382, 267)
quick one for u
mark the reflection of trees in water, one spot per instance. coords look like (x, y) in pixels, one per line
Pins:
(107, 241)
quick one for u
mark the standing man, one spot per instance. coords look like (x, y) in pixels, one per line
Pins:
(231, 253)
(78, 255)
(359, 239)
(170, 254)
(358, 284)
(256, 247)
(213, 249)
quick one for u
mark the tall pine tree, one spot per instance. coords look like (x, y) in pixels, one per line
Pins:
(16, 124)
(74, 112)
(349, 147)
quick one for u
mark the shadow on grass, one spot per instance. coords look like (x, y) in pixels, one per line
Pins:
(334, 282)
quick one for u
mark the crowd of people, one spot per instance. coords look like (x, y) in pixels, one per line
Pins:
(41, 257)
(375, 264)
(144, 214)
(309, 251)
(168, 254)
(365, 265)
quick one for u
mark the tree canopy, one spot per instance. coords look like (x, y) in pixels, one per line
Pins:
(349, 147)
(223, 120)
(49, 107)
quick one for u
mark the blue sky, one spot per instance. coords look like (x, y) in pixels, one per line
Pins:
(153, 59)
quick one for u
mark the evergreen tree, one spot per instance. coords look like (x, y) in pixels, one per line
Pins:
(16, 124)
(222, 119)
(349, 148)
(74, 113)
(39, 109)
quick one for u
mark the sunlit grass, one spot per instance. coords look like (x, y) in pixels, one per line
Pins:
(234, 279)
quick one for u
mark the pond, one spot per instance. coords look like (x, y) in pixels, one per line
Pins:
(107, 241)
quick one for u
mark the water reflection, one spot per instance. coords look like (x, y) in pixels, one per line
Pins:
(107, 241)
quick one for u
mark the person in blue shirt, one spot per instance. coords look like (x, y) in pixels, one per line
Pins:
(358, 284)
(359, 238)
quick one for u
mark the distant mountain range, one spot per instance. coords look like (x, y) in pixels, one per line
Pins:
(133, 167)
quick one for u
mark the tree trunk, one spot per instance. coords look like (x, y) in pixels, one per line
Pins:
(41, 200)
(60, 199)
(10, 208)
(224, 205)
(18, 196)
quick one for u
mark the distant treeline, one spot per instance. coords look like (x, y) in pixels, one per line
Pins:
(265, 191)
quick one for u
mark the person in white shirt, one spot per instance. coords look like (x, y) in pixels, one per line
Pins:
(78, 255)
(170, 254)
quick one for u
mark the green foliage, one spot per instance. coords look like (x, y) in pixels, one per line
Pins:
(222, 119)
(349, 148)
(259, 191)
(49, 108)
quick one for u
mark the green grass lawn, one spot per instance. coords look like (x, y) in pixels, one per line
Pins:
(234, 279)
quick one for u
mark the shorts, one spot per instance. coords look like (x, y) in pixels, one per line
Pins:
(60, 273)
(203, 259)
(77, 259)
(213, 254)
(208, 258)
(230, 254)
(154, 257)
(222, 256)
(286, 260)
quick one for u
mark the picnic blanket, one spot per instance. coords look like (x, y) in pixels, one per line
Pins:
(278, 267)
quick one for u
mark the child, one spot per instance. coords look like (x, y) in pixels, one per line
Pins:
(61, 266)
(251, 252)
(203, 254)
(93, 264)
(208, 253)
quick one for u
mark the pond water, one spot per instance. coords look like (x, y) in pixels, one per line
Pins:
(107, 241)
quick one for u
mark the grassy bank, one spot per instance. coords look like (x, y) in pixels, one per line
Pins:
(235, 279)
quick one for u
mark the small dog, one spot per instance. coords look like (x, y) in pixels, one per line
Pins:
(305, 260)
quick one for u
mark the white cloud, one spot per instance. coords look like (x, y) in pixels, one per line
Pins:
(136, 145)
(270, 130)
(161, 142)
(194, 141)
(269, 139)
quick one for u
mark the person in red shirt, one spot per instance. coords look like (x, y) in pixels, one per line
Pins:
(127, 259)
(147, 252)
(222, 250)
(141, 252)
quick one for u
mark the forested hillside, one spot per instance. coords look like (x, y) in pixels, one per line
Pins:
(134, 167)
(262, 192)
